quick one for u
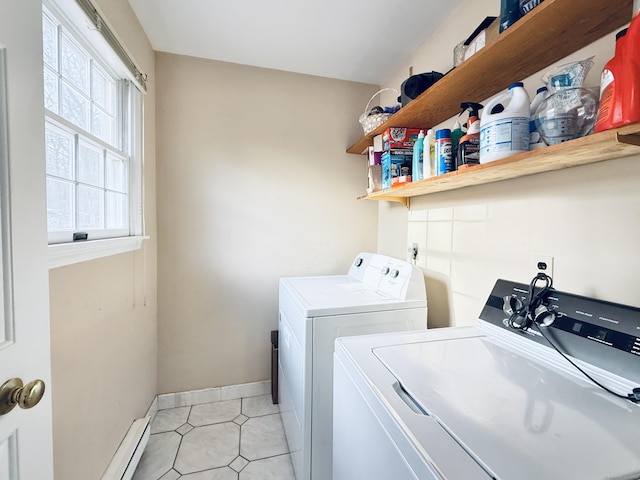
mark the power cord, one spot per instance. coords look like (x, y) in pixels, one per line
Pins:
(523, 314)
(634, 396)
(534, 312)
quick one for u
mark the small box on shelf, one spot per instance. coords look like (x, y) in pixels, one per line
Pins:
(374, 177)
(399, 137)
(485, 33)
(395, 163)
(375, 158)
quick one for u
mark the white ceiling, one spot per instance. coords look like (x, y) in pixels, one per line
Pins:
(360, 40)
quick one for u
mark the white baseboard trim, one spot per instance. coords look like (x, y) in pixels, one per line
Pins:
(208, 395)
(125, 460)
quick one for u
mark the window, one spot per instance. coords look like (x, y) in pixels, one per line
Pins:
(93, 132)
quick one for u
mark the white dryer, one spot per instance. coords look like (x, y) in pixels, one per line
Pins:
(379, 294)
(494, 401)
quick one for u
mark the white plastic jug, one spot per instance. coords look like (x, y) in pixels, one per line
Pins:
(505, 131)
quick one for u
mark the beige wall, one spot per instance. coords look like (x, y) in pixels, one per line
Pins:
(253, 184)
(103, 318)
(585, 217)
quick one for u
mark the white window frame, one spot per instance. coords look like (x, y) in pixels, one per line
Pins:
(74, 20)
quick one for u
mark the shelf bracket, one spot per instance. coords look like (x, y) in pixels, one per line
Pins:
(628, 139)
(403, 200)
(406, 201)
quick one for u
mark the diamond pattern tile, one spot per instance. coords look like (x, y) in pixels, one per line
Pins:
(239, 463)
(216, 412)
(263, 437)
(167, 420)
(205, 448)
(238, 439)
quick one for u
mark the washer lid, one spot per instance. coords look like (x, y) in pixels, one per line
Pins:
(520, 419)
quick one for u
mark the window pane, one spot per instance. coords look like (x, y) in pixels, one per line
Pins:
(90, 165)
(75, 107)
(103, 90)
(117, 173)
(117, 208)
(90, 208)
(88, 157)
(103, 126)
(59, 152)
(74, 65)
(51, 90)
(60, 205)
(49, 42)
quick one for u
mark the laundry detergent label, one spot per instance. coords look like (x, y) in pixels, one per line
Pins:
(508, 134)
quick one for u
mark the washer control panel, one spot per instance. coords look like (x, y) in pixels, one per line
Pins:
(601, 333)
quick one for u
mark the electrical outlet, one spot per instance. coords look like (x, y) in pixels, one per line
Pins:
(413, 251)
(542, 263)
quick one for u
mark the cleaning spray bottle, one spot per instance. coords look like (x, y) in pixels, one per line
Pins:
(418, 158)
(456, 135)
(469, 146)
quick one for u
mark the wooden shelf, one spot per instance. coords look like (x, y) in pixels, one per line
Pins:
(618, 143)
(550, 32)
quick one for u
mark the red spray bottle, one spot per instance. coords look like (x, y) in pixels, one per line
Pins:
(620, 85)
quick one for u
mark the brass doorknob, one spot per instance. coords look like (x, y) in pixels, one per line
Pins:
(13, 392)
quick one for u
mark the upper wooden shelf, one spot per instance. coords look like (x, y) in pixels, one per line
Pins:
(550, 32)
(608, 145)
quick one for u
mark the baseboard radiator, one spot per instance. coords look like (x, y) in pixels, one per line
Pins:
(124, 462)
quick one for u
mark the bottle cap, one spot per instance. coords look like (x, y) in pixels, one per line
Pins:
(516, 84)
(443, 133)
(541, 89)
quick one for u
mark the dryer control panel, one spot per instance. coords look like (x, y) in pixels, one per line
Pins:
(390, 276)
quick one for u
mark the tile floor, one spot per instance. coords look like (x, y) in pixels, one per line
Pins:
(240, 439)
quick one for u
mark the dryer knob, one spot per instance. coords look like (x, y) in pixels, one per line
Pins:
(395, 273)
(358, 261)
(385, 270)
(511, 304)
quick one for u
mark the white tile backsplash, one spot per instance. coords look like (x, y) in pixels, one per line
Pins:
(439, 265)
(439, 236)
(440, 214)
(471, 213)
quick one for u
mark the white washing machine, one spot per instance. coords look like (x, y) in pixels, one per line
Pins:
(379, 294)
(494, 402)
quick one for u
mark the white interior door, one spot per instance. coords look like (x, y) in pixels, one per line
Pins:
(25, 434)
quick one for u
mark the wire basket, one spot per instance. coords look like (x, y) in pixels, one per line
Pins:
(371, 122)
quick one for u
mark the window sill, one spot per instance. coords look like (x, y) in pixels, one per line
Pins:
(63, 254)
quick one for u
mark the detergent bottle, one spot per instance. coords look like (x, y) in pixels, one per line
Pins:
(428, 154)
(504, 127)
(468, 152)
(535, 139)
(418, 158)
(620, 83)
